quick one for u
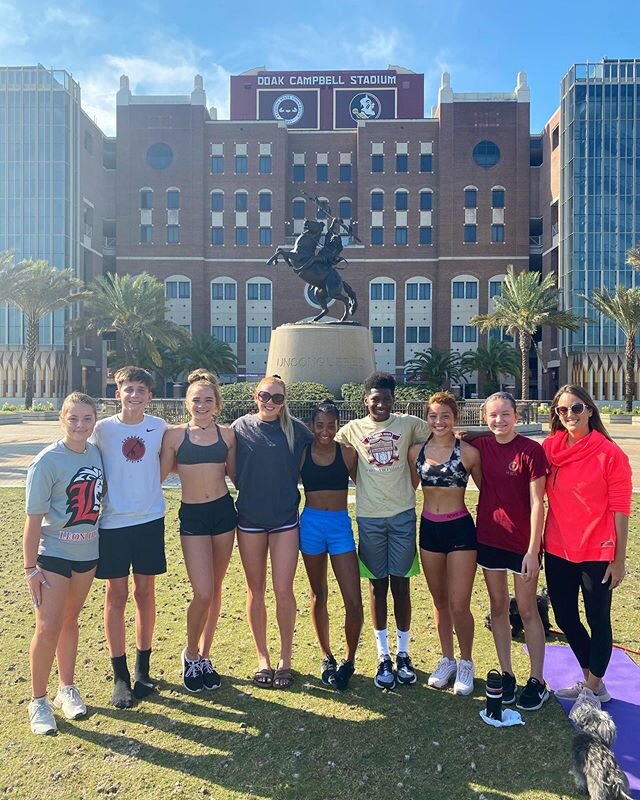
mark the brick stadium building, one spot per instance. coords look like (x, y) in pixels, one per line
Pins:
(440, 206)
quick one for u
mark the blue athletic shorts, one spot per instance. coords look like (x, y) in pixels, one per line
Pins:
(325, 532)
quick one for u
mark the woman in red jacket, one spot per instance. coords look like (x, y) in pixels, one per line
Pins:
(585, 536)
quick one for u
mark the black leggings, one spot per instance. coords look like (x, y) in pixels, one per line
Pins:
(564, 580)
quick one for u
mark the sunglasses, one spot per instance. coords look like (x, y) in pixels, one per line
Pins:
(265, 397)
(576, 408)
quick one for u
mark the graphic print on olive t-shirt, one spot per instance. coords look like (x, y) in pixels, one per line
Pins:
(83, 496)
(382, 448)
(133, 448)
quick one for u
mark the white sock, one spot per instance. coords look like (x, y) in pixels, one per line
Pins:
(403, 640)
(382, 643)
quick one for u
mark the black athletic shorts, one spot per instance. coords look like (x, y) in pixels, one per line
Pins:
(136, 548)
(63, 566)
(448, 536)
(495, 558)
(208, 519)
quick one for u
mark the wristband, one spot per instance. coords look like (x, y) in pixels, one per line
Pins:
(26, 568)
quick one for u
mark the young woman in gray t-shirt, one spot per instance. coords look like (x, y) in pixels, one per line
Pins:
(64, 488)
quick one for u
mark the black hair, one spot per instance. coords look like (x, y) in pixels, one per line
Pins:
(326, 406)
(380, 380)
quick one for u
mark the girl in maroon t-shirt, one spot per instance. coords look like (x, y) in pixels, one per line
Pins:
(509, 529)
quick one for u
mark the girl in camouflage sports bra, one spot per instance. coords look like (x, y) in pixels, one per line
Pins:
(447, 537)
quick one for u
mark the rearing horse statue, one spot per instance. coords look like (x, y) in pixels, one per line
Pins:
(318, 267)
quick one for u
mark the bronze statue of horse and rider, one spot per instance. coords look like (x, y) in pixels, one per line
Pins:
(318, 267)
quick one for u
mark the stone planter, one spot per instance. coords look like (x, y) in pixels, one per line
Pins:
(40, 416)
(617, 419)
(10, 417)
(635, 419)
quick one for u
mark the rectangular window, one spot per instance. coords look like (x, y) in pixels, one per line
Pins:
(217, 165)
(495, 288)
(242, 201)
(146, 199)
(426, 162)
(229, 291)
(402, 201)
(173, 234)
(242, 165)
(265, 236)
(555, 137)
(457, 333)
(377, 163)
(388, 334)
(265, 291)
(411, 335)
(344, 209)
(298, 173)
(469, 234)
(252, 334)
(377, 235)
(217, 201)
(242, 237)
(426, 201)
(265, 334)
(173, 199)
(345, 173)
(217, 291)
(402, 236)
(264, 166)
(146, 234)
(497, 198)
(458, 290)
(217, 332)
(411, 291)
(377, 201)
(322, 173)
(497, 233)
(252, 291)
(388, 291)
(424, 334)
(402, 162)
(184, 290)
(375, 291)
(426, 234)
(424, 291)
(217, 236)
(230, 334)
(376, 334)
(171, 290)
(471, 290)
(470, 333)
(470, 198)
(264, 201)
(298, 209)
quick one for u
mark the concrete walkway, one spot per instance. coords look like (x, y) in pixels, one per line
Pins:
(20, 443)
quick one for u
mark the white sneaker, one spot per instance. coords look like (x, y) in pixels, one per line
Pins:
(69, 700)
(41, 717)
(573, 692)
(445, 669)
(464, 677)
(586, 696)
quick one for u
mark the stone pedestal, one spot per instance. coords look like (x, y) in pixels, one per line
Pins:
(331, 353)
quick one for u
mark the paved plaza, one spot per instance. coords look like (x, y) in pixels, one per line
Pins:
(19, 443)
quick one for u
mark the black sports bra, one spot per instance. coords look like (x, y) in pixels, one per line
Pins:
(190, 453)
(450, 474)
(318, 478)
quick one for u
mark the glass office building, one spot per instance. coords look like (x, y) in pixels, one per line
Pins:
(599, 208)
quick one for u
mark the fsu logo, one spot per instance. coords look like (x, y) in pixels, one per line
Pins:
(383, 451)
(512, 469)
(364, 106)
(288, 108)
(133, 448)
(83, 496)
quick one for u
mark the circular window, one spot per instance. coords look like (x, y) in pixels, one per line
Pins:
(486, 154)
(159, 156)
(310, 297)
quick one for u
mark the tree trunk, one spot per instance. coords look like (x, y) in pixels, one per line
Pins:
(30, 358)
(630, 372)
(524, 342)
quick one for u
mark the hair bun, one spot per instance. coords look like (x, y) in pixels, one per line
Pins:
(202, 376)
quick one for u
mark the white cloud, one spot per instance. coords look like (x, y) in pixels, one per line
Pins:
(377, 48)
(13, 31)
(69, 17)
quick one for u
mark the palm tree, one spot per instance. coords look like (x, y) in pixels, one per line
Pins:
(203, 351)
(133, 307)
(495, 360)
(527, 302)
(623, 307)
(442, 368)
(37, 289)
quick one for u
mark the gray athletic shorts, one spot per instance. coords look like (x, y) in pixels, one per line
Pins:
(387, 545)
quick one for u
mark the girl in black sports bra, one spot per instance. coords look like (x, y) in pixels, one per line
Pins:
(448, 537)
(202, 452)
(325, 528)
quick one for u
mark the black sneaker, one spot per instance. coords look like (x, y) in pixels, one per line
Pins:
(328, 671)
(533, 695)
(343, 675)
(405, 672)
(210, 678)
(509, 686)
(191, 673)
(385, 679)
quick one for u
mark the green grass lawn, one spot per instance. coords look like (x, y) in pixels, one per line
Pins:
(243, 741)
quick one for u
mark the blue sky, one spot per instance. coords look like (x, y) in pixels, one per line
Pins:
(162, 44)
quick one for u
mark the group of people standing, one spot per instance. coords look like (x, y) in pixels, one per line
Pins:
(95, 507)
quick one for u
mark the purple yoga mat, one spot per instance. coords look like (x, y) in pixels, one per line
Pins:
(623, 683)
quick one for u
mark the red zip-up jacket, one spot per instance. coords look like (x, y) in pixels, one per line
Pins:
(589, 482)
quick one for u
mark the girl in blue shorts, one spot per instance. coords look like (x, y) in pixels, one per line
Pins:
(325, 527)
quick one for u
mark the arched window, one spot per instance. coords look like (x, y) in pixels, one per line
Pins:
(217, 200)
(242, 200)
(146, 198)
(470, 197)
(173, 198)
(264, 200)
(402, 200)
